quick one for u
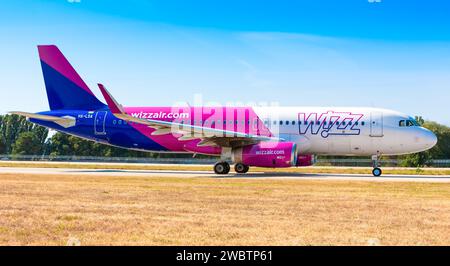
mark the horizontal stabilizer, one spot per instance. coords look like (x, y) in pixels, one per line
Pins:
(65, 121)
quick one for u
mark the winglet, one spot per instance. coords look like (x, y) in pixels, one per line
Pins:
(113, 105)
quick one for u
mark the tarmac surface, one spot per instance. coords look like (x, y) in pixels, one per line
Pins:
(210, 174)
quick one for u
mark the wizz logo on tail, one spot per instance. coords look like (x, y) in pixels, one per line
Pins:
(329, 123)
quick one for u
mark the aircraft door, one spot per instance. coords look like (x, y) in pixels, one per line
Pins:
(376, 124)
(99, 123)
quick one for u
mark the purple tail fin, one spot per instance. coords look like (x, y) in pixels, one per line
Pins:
(65, 88)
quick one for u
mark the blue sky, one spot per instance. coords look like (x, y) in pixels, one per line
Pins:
(391, 54)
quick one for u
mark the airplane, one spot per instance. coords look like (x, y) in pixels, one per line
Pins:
(272, 137)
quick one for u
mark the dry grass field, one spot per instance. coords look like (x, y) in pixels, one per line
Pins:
(112, 210)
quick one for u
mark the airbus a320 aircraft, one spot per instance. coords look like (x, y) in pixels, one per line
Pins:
(246, 136)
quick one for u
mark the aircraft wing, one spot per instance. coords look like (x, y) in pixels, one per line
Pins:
(65, 121)
(208, 135)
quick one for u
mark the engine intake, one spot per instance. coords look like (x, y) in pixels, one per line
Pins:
(267, 154)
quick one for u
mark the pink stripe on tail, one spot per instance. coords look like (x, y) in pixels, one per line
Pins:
(52, 56)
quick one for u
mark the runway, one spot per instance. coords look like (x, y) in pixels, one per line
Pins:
(209, 174)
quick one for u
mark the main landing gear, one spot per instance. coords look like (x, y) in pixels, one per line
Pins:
(241, 168)
(223, 168)
(376, 169)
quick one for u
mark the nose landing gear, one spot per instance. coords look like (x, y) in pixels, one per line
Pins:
(376, 169)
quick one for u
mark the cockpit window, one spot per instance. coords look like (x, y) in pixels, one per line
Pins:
(415, 123)
(408, 123)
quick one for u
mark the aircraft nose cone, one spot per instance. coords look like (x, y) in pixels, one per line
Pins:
(429, 138)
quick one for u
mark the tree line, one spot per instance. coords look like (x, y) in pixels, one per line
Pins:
(21, 137)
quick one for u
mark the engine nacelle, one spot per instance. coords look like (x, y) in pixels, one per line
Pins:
(267, 154)
(305, 160)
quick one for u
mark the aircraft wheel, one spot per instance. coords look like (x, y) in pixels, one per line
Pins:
(227, 165)
(222, 168)
(241, 168)
(376, 171)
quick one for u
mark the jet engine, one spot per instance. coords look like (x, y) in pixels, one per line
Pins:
(267, 154)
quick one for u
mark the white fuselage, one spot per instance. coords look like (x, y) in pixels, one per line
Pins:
(347, 130)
